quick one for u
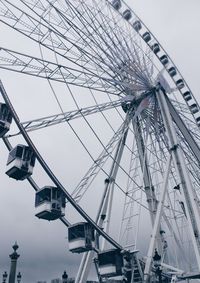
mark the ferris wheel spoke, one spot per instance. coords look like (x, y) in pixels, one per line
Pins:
(134, 66)
(45, 39)
(94, 30)
(137, 79)
(96, 167)
(85, 37)
(40, 123)
(95, 59)
(86, 15)
(113, 48)
(98, 46)
(57, 42)
(21, 63)
(107, 34)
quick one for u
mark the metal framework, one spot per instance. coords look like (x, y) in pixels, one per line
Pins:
(150, 159)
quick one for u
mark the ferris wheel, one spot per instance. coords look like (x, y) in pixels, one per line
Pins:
(118, 109)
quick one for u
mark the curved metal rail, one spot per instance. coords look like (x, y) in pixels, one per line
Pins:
(51, 174)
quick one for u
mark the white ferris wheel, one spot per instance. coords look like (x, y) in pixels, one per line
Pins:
(128, 124)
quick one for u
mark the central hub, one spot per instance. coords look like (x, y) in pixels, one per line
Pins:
(131, 102)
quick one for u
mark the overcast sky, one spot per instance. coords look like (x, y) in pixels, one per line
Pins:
(43, 246)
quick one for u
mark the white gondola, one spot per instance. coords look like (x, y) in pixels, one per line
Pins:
(21, 161)
(137, 26)
(5, 119)
(198, 121)
(127, 15)
(156, 48)
(172, 71)
(116, 4)
(146, 36)
(81, 237)
(110, 263)
(164, 60)
(49, 203)
(194, 108)
(180, 84)
(187, 96)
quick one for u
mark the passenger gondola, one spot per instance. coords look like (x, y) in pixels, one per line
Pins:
(5, 119)
(116, 4)
(110, 263)
(50, 203)
(81, 237)
(21, 161)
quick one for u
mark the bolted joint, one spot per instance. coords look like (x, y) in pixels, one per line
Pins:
(103, 216)
(127, 103)
(107, 181)
(174, 147)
